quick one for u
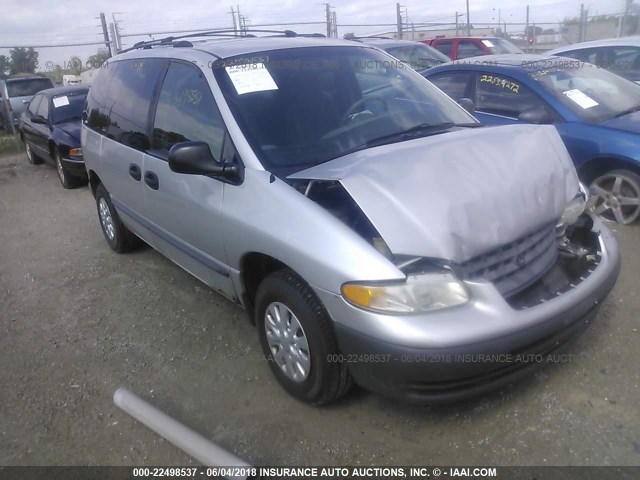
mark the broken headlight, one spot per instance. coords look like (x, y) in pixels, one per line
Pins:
(575, 208)
(418, 293)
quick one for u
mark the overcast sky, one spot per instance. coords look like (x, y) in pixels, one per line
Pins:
(41, 22)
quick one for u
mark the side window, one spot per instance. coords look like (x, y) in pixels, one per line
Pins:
(625, 61)
(502, 95)
(584, 54)
(186, 111)
(96, 111)
(443, 47)
(43, 108)
(33, 105)
(129, 100)
(453, 84)
(468, 49)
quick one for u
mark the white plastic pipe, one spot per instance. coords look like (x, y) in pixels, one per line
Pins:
(190, 442)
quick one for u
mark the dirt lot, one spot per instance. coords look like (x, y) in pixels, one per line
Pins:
(78, 321)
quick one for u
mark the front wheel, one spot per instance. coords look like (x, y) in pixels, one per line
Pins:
(66, 179)
(297, 338)
(619, 196)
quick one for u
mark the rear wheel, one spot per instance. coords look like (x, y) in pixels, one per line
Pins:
(619, 196)
(32, 157)
(296, 335)
(119, 237)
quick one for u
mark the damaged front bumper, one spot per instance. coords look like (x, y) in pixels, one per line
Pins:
(484, 344)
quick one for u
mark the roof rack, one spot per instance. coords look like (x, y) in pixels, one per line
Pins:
(248, 33)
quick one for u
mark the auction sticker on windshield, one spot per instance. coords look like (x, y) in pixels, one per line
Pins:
(60, 101)
(585, 101)
(251, 77)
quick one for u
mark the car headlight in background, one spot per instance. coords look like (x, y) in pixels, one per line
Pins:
(75, 152)
(418, 293)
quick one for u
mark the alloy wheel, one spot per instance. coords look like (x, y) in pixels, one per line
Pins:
(619, 197)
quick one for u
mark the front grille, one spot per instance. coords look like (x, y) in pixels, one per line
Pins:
(516, 265)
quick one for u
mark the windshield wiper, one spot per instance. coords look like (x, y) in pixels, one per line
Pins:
(627, 111)
(417, 131)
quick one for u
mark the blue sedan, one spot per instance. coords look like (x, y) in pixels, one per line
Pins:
(597, 114)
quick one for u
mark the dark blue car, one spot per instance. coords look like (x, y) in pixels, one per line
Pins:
(50, 130)
(597, 114)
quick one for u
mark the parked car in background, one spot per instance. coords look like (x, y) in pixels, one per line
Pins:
(50, 130)
(18, 91)
(417, 55)
(464, 47)
(618, 55)
(596, 113)
(370, 229)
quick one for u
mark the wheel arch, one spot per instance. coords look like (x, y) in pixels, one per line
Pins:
(591, 169)
(94, 181)
(52, 148)
(255, 267)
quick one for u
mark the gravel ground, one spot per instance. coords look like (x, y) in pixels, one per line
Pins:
(78, 321)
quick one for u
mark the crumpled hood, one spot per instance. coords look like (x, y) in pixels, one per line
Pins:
(458, 194)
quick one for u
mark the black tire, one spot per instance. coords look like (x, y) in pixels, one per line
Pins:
(119, 238)
(66, 179)
(31, 156)
(327, 379)
(610, 205)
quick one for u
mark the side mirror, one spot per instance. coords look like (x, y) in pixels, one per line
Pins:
(467, 104)
(195, 158)
(538, 115)
(39, 119)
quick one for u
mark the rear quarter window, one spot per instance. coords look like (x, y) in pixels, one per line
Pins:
(96, 110)
(129, 100)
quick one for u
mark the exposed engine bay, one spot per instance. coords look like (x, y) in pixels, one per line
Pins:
(528, 271)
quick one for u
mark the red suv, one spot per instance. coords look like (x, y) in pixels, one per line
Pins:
(464, 47)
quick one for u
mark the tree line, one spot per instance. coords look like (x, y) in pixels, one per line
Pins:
(24, 60)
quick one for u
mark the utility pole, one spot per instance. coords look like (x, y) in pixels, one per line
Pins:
(334, 20)
(623, 19)
(399, 20)
(105, 33)
(328, 14)
(114, 42)
(116, 32)
(235, 26)
(468, 21)
(581, 29)
(456, 24)
(526, 32)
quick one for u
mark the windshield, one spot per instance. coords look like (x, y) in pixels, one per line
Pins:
(591, 93)
(68, 107)
(418, 57)
(500, 45)
(27, 87)
(304, 106)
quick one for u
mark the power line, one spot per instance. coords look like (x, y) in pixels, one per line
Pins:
(52, 46)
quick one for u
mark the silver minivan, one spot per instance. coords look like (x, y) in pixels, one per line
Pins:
(372, 231)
